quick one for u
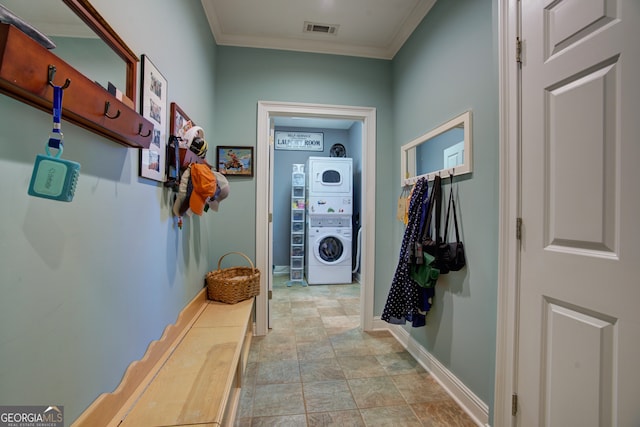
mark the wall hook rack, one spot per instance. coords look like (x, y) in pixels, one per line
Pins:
(21, 55)
(140, 131)
(107, 104)
(51, 74)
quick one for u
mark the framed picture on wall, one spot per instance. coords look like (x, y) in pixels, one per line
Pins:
(153, 107)
(178, 123)
(179, 120)
(234, 160)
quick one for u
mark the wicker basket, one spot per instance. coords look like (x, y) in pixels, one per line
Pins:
(234, 284)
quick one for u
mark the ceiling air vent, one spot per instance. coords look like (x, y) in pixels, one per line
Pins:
(313, 27)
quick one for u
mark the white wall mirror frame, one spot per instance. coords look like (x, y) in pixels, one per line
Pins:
(454, 157)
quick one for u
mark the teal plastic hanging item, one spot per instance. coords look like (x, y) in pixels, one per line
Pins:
(54, 178)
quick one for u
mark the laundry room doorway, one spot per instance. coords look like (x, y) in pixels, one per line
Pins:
(268, 113)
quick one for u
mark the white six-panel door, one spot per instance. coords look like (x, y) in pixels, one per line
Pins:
(578, 350)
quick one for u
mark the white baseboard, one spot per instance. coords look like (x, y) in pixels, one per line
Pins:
(280, 270)
(470, 403)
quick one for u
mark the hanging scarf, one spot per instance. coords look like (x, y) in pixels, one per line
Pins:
(406, 300)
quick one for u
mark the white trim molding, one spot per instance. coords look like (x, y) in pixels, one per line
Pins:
(509, 211)
(468, 401)
(367, 115)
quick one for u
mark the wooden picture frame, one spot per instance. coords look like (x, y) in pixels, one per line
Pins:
(234, 160)
(179, 124)
(153, 107)
(177, 121)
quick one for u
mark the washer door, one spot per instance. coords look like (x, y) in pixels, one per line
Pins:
(331, 249)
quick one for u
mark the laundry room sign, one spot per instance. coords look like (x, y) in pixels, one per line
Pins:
(299, 141)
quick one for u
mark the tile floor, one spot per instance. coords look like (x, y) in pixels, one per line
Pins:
(317, 368)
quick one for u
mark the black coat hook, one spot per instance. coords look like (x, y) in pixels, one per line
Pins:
(51, 75)
(107, 104)
(140, 131)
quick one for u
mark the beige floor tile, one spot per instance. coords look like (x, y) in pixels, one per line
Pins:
(275, 339)
(302, 304)
(278, 399)
(245, 406)
(340, 322)
(317, 368)
(416, 388)
(377, 391)
(279, 352)
(307, 322)
(327, 396)
(390, 416)
(304, 312)
(327, 302)
(242, 422)
(384, 345)
(399, 363)
(444, 413)
(361, 367)
(320, 370)
(312, 333)
(355, 347)
(331, 311)
(335, 419)
(278, 372)
(283, 421)
(317, 349)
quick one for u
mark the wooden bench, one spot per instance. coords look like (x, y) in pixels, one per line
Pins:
(195, 382)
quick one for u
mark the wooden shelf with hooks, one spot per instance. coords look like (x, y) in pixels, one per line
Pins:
(26, 68)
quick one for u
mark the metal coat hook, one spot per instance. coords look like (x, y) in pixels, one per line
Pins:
(140, 131)
(107, 104)
(52, 73)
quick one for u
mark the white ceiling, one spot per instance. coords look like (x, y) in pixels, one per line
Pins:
(365, 28)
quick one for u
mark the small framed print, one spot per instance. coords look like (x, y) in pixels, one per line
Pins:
(234, 160)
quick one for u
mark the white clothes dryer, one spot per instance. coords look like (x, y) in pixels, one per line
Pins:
(329, 176)
(329, 254)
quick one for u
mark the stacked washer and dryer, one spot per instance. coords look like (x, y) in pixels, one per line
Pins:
(329, 228)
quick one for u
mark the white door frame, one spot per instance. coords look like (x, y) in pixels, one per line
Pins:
(509, 211)
(367, 115)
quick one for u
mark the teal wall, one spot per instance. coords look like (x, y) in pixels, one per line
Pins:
(246, 76)
(448, 66)
(93, 58)
(86, 286)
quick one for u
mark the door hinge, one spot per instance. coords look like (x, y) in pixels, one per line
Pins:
(270, 217)
(514, 404)
(270, 294)
(519, 228)
(518, 50)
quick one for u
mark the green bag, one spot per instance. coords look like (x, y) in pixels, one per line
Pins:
(425, 274)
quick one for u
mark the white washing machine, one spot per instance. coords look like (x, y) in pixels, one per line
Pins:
(329, 250)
